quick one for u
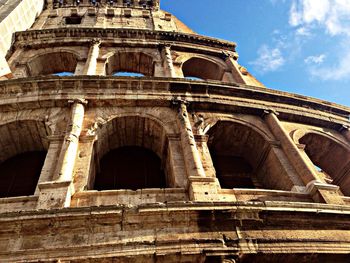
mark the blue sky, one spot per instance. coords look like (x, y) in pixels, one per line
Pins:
(299, 46)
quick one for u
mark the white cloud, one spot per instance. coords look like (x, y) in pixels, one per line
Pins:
(332, 17)
(269, 59)
(315, 59)
(339, 71)
(303, 31)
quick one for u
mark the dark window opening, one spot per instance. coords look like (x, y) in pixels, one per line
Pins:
(73, 20)
(243, 158)
(233, 171)
(130, 167)
(19, 175)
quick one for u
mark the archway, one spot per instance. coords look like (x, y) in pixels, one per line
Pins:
(53, 63)
(133, 62)
(200, 68)
(331, 158)
(23, 151)
(244, 158)
(130, 167)
(131, 153)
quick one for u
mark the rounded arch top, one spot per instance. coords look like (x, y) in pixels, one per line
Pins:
(203, 67)
(298, 134)
(211, 122)
(50, 62)
(130, 61)
(141, 130)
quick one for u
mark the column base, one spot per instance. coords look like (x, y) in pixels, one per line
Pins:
(324, 193)
(54, 195)
(203, 189)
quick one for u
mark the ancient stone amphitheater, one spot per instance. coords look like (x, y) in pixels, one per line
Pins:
(127, 137)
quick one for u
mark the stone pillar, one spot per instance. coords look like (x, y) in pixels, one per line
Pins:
(91, 62)
(202, 146)
(70, 145)
(57, 193)
(320, 191)
(192, 158)
(175, 163)
(47, 172)
(84, 171)
(168, 61)
(201, 188)
(231, 61)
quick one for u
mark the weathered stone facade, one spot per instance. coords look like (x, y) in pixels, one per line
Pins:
(241, 173)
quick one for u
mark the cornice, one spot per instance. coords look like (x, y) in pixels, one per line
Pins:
(22, 38)
(54, 91)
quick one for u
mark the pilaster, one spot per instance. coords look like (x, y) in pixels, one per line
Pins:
(168, 61)
(231, 61)
(84, 171)
(91, 62)
(192, 158)
(201, 188)
(47, 172)
(57, 193)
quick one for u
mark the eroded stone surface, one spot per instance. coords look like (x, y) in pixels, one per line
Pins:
(250, 174)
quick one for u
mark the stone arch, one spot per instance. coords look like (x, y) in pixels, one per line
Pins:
(42, 64)
(203, 68)
(245, 156)
(131, 61)
(330, 155)
(297, 134)
(144, 137)
(210, 122)
(23, 150)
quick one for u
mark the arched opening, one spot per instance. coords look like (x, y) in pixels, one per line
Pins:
(53, 63)
(130, 167)
(193, 78)
(203, 69)
(131, 154)
(244, 158)
(132, 62)
(19, 175)
(23, 150)
(63, 74)
(128, 74)
(332, 159)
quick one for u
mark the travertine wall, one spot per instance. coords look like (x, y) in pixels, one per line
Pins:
(293, 151)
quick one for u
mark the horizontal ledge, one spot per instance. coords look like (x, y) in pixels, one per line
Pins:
(132, 192)
(122, 33)
(53, 185)
(172, 85)
(18, 199)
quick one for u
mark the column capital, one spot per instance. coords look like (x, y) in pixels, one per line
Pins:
(269, 111)
(95, 41)
(227, 55)
(180, 101)
(78, 101)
